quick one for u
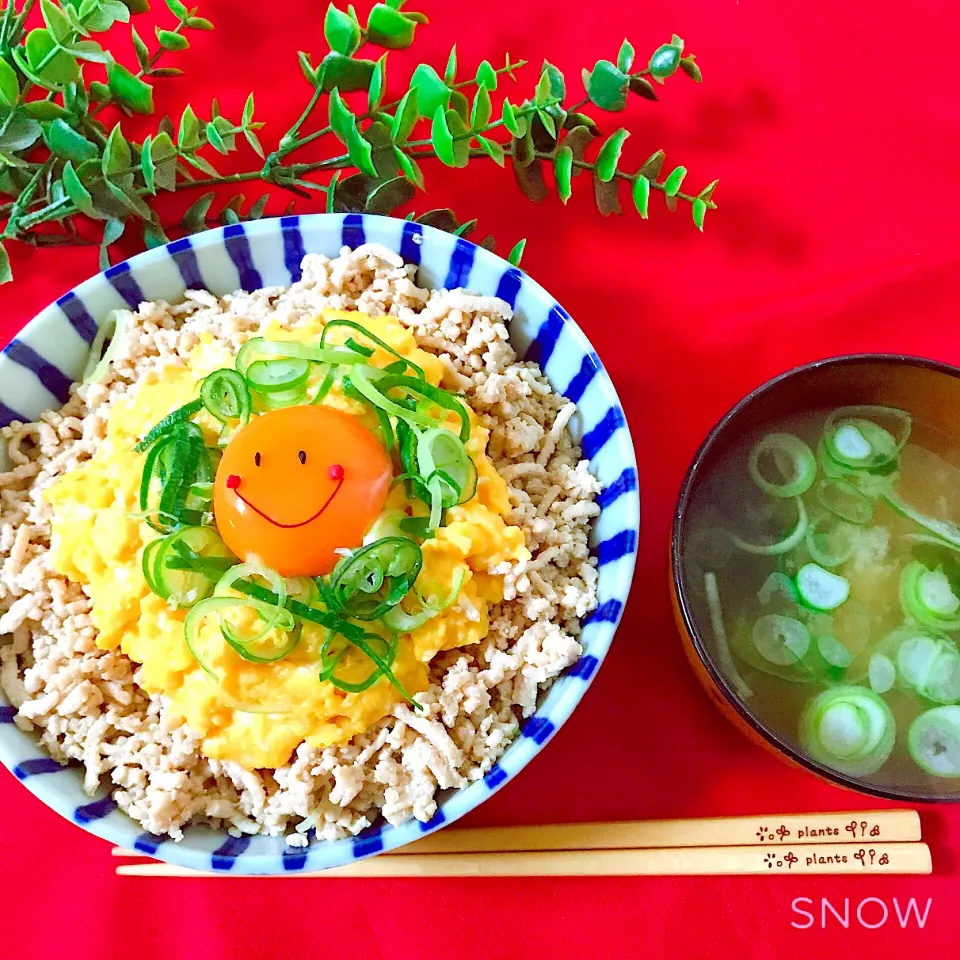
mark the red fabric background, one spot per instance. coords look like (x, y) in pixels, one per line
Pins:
(834, 128)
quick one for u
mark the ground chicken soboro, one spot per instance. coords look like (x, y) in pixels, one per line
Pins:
(84, 702)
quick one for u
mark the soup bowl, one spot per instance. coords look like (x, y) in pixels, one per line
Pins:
(930, 391)
(39, 365)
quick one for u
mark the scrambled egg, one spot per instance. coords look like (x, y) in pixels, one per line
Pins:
(257, 714)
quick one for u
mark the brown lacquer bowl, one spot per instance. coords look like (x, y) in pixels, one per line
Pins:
(930, 392)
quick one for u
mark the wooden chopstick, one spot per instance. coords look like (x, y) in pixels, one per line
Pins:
(873, 826)
(845, 858)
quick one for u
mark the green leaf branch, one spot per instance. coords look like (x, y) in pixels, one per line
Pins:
(63, 169)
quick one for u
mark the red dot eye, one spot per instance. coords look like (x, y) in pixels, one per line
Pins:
(336, 472)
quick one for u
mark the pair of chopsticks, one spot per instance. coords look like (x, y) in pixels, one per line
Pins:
(864, 842)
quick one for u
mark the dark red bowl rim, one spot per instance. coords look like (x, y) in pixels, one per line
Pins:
(719, 681)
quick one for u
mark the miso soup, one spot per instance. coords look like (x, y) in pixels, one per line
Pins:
(821, 558)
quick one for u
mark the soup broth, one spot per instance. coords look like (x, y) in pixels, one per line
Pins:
(821, 558)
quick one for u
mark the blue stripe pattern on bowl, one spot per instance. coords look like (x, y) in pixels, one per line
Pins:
(49, 354)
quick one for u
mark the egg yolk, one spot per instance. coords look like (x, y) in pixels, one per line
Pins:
(297, 484)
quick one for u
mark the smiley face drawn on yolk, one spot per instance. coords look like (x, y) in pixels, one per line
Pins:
(296, 484)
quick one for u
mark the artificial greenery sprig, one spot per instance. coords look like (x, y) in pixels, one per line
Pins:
(62, 167)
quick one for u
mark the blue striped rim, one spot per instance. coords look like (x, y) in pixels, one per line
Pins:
(8, 415)
(7, 714)
(585, 667)
(435, 821)
(122, 280)
(78, 315)
(509, 286)
(495, 776)
(53, 378)
(293, 250)
(147, 843)
(225, 856)
(626, 482)
(584, 376)
(238, 246)
(594, 441)
(31, 768)
(538, 729)
(367, 842)
(544, 343)
(294, 858)
(619, 545)
(95, 811)
(410, 241)
(461, 263)
(352, 232)
(605, 613)
(186, 260)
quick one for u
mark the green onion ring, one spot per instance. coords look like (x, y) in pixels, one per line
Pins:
(783, 546)
(803, 465)
(226, 396)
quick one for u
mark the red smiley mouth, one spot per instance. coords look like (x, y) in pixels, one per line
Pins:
(276, 523)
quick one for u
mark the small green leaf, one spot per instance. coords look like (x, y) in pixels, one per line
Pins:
(465, 228)
(6, 274)
(164, 158)
(486, 76)
(215, 140)
(21, 133)
(360, 153)
(177, 9)
(172, 41)
(557, 83)
(450, 74)
(116, 154)
(606, 195)
(112, 232)
(542, 93)
(675, 41)
(344, 73)
(130, 200)
(153, 236)
(492, 149)
(88, 50)
(389, 28)
(43, 110)
(199, 23)
(641, 195)
(128, 89)
(143, 54)
(406, 117)
(547, 123)
(460, 103)
(482, 109)
(390, 195)
(58, 23)
(699, 212)
(689, 67)
(510, 119)
(516, 254)
(378, 82)
(606, 86)
(166, 72)
(671, 186)
(332, 191)
(563, 167)
(609, 155)
(188, 137)
(254, 142)
(79, 195)
(432, 92)
(58, 67)
(195, 160)
(643, 88)
(195, 218)
(442, 138)
(65, 142)
(9, 85)
(147, 167)
(409, 168)
(625, 56)
(578, 139)
(652, 166)
(259, 208)
(706, 194)
(529, 178)
(664, 62)
(307, 67)
(341, 120)
(341, 31)
(384, 161)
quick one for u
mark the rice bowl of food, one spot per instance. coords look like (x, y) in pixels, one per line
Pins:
(325, 542)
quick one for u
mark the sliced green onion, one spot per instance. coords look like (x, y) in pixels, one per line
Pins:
(113, 329)
(943, 529)
(400, 621)
(376, 578)
(278, 376)
(927, 597)
(244, 647)
(855, 441)
(851, 444)
(148, 564)
(257, 349)
(778, 586)
(383, 345)
(820, 589)
(781, 640)
(442, 452)
(794, 461)
(225, 395)
(724, 657)
(169, 423)
(359, 348)
(834, 652)
(844, 500)
(882, 673)
(934, 741)
(830, 541)
(931, 666)
(184, 588)
(848, 728)
(792, 540)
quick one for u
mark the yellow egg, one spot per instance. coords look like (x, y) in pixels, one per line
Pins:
(257, 714)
